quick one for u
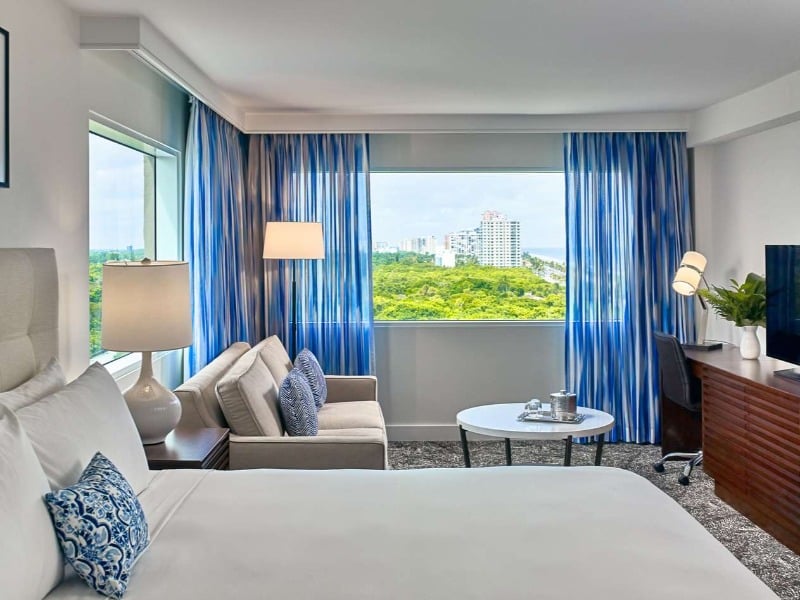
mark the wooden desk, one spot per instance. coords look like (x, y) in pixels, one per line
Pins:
(751, 438)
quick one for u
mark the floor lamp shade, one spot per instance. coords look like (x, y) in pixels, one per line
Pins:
(294, 240)
(146, 308)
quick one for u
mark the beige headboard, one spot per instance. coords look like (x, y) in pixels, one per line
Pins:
(28, 313)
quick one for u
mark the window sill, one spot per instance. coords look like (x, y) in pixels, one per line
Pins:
(466, 324)
(130, 363)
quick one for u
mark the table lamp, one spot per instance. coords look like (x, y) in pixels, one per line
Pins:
(686, 282)
(293, 240)
(147, 308)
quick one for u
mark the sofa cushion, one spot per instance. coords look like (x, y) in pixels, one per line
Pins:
(297, 405)
(101, 527)
(198, 395)
(312, 371)
(248, 396)
(350, 415)
(275, 357)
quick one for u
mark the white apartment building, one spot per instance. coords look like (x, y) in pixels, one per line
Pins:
(466, 242)
(499, 241)
(421, 245)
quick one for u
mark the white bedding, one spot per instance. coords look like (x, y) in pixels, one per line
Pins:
(506, 532)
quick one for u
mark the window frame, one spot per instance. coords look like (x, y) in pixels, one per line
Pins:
(469, 322)
(166, 231)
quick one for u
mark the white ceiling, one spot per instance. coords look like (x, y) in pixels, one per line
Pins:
(477, 56)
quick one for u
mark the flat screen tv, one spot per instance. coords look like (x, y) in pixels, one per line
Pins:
(783, 306)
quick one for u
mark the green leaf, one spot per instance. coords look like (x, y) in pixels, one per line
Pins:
(743, 303)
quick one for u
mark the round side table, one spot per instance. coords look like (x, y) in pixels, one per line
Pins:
(500, 421)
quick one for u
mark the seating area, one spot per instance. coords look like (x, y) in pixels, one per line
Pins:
(352, 432)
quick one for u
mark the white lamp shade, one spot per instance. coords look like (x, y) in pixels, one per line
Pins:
(293, 239)
(695, 260)
(686, 281)
(146, 306)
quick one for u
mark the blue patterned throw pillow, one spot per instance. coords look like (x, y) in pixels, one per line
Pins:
(297, 405)
(309, 367)
(101, 526)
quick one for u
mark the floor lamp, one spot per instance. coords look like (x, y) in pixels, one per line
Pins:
(293, 240)
(687, 281)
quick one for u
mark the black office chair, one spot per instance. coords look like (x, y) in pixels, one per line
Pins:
(678, 386)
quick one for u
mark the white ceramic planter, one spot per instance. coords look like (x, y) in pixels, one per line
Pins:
(750, 347)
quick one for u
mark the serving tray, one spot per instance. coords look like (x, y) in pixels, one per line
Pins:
(533, 417)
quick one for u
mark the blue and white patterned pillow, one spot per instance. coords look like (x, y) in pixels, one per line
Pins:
(297, 405)
(309, 367)
(101, 526)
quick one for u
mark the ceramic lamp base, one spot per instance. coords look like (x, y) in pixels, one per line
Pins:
(154, 408)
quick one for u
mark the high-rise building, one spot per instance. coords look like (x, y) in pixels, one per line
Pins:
(420, 245)
(499, 241)
(463, 243)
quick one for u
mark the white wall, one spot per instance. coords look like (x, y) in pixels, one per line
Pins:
(462, 151)
(747, 195)
(427, 372)
(54, 86)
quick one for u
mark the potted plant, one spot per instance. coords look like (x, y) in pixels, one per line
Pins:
(743, 304)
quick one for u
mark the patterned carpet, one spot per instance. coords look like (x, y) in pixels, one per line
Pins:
(770, 560)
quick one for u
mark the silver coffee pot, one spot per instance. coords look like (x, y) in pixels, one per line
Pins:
(564, 405)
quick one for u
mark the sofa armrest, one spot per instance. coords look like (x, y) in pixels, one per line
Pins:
(351, 388)
(347, 449)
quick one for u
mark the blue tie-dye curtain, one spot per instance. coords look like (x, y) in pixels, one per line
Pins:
(628, 224)
(223, 234)
(321, 178)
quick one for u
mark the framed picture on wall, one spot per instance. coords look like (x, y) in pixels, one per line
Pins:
(4, 151)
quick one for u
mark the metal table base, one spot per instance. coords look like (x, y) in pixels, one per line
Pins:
(598, 456)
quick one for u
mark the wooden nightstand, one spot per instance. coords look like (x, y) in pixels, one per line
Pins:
(186, 448)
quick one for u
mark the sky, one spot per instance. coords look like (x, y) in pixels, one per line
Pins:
(116, 195)
(406, 205)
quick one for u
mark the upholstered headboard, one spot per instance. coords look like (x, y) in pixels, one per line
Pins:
(28, 313)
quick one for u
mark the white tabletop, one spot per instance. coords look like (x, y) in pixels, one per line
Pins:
(500, 420)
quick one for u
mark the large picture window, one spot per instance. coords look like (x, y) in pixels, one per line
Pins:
(468, 245)
(126, 202)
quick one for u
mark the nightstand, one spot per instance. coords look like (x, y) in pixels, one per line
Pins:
(190, 448)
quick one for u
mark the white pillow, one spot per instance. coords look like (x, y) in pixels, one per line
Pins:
(47, 381)
(88, 415)
(30, 559)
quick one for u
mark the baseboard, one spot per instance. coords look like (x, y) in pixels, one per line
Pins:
(427, 432)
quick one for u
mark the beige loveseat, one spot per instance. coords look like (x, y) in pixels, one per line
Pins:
(352, 433)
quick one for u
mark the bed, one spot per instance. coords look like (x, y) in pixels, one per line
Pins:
(510, 532)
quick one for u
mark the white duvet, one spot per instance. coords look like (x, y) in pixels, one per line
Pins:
(506, 532)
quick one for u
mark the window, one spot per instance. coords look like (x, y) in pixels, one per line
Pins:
(133, 187)
(468, 245)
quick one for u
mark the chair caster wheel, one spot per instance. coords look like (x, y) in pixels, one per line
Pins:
(658, 467)
(683, 480)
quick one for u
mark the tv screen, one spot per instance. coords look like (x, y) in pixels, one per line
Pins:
(783, 303)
